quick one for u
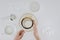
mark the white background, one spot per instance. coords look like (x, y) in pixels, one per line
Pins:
(48, 18)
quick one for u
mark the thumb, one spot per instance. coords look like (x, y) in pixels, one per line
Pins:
(21, 34)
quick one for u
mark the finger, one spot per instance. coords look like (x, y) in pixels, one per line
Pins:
(21, 34)
(34, 26)
(35, 31)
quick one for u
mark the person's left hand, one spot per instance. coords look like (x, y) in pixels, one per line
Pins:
(19, 35)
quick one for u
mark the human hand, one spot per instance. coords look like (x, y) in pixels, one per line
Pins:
(35, 31)
(19, 35)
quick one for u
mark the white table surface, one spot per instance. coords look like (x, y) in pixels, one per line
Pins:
(48, 18)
